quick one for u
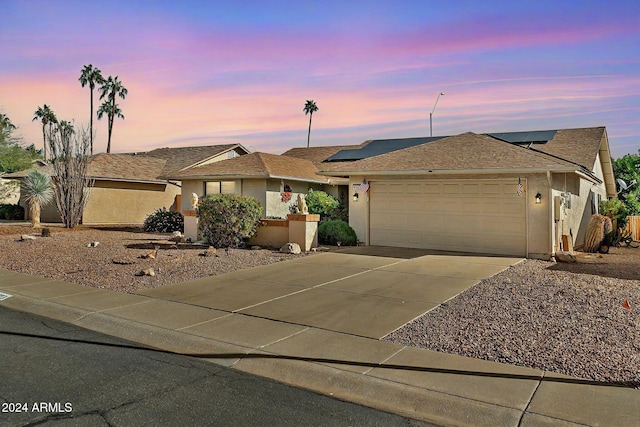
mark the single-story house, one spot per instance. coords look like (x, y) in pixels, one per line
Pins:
(128, 186)
(274, 180)
(513, 193)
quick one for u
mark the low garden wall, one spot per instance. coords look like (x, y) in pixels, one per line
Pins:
(300, 229)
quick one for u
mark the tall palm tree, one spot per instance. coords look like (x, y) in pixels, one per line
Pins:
(38, 191)
(111, 88)
(310, 107)
(46, 116)
(91, 76)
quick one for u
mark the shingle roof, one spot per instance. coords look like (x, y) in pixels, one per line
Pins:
(318, 154)
(183, 157)
(121, 167)
(468, 151)
(576, 145)
(126, 167)
(258, 165)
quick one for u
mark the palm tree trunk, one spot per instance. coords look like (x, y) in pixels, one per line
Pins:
(309, 134)
(44, 143)
(34, 212)
(91, 123)
(110, 130)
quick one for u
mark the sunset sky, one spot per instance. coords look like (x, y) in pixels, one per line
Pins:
(208, 72)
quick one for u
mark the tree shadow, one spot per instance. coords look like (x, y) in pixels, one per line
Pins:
(462, 372)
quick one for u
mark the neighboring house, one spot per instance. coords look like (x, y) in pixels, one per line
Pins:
(477, 193)
(272, 179)
(128, 186)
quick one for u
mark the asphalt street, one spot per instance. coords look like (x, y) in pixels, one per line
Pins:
(54, 373)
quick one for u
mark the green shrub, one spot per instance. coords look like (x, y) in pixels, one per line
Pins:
(333, 231)
(11, 212)
(227, 220)
(614, 209)
(164, 221)
(321, 203)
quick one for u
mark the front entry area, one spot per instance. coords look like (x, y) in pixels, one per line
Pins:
(465, 215)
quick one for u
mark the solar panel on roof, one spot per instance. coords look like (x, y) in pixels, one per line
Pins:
(534, 137)
(378, 147)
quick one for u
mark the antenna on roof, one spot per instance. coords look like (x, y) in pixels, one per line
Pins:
(431, 114)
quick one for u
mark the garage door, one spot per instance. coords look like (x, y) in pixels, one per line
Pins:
(458, 215)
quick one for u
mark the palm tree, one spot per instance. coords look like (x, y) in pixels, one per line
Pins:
(46, 116)
(90, 76)
(310, 107)
(37, 192)
(112, 111)
(66, 129)
(109, 89)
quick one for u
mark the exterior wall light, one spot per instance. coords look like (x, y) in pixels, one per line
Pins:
(355, 197)
(538, 198)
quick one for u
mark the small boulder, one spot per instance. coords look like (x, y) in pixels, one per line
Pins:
(151, 255)
(565, 257)
(323, 249)
(26, 237)
(147, 272)
(256, 248)
(211, 251)
(93, 244)
(290, 248)
(46, 232)
(177, 237)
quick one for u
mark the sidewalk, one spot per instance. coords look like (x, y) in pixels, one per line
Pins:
(421, 384)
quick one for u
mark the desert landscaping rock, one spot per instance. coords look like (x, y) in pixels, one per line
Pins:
(177, 237)
(93, 244)
(27, 237)
(46, 232)
(63, 255)
(290, 248)
(531, 315)
(565, 257)
(146, 272)
(210, 252)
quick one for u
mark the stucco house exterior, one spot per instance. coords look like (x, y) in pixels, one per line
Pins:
(128, 186)
(274, 180)
(514, 193)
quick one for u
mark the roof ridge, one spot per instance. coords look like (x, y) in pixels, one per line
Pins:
(518, 147)
(263, 165)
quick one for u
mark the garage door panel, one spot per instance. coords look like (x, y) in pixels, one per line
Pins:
(479, 216)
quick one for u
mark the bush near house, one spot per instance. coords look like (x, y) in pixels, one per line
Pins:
(321, 203)
(614, 209)
(326, 205)
(164, 221)
(333, 231)
(11, 212)
(227, 220)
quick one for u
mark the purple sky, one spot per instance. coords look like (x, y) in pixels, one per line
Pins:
(201, 73)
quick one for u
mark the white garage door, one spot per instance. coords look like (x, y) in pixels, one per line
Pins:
(458, 215)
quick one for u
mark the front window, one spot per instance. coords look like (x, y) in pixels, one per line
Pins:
(219, 187)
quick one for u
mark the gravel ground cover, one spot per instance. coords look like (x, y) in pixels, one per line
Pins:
(536, 314)
(564, 318)
(114, 262)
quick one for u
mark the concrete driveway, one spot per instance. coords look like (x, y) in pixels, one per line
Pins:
(369, 293)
